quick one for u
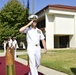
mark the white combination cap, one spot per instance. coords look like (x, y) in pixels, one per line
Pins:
(33, 17)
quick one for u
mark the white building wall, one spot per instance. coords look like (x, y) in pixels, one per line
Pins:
(64, 24)
(51, 11)
(71, 41)
(49, 31)
(59, 22)
(75, 29)
(73, 37)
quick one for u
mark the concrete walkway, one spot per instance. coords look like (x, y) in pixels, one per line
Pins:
(42, 69)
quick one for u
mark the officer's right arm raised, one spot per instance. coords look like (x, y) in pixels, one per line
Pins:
(24, 27)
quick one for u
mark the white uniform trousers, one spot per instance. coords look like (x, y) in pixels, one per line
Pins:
(4, 50)
(34, 58)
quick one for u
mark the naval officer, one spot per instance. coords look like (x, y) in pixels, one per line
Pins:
(33, 36)
(14, 45)
(10, 42)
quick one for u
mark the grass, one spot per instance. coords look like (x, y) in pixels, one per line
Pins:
(61, 60)
(23, 56)
(1, 51)
(64, 60)
(21, 50)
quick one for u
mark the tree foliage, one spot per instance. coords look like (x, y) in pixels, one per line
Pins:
(12, 16)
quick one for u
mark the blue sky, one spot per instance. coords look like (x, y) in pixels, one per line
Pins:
(39, 4)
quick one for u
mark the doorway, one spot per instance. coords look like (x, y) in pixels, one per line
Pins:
(64, 41)
(61, 41)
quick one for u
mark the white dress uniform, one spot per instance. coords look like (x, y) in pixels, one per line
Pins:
(10, 43)
(33, 48)
(14, 44)
(4, 46)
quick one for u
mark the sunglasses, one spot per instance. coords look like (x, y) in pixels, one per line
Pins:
(34, 21)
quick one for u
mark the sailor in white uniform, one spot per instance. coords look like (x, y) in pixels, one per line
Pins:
(4, 46)
(10, 42)
(33, 36)
(14, 44)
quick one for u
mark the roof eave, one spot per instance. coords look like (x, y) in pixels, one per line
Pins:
(59, 7)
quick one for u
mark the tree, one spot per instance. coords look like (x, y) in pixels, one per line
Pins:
(12, 16)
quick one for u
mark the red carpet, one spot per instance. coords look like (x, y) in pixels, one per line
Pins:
(20, 68)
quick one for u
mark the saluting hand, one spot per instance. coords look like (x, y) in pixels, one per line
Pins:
(24, 27)
(30, 23)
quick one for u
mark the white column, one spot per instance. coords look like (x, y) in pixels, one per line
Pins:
(73, 37)
(49, 31)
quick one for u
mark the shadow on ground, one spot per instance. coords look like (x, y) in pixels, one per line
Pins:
(73, 70)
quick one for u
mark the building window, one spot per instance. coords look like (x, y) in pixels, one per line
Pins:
(41, 24)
